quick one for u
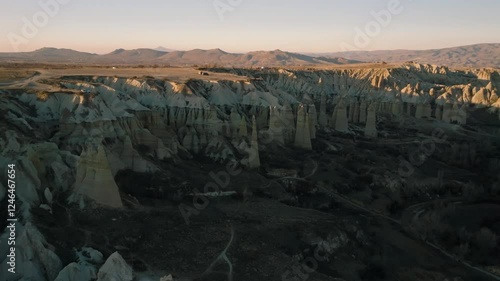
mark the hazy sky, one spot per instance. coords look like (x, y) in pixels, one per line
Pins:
(100, 26)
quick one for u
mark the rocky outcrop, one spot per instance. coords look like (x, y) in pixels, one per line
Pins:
(94, 179)
(276, 126)
(371, 122)
(323, 118)
(85, 267)
(302, 131)
(254, 159)
(34, 259)
(341, 123)
(115, 269)
(141, 124)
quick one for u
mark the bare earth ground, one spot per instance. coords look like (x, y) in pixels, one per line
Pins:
(12, 76)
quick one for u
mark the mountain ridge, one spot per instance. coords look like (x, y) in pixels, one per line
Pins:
(476, 56)
(152, 56)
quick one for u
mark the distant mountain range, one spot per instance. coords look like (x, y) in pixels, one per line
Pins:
(163, 49)
(180, 58)
(480, 55)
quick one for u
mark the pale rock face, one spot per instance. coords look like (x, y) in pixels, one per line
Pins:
(214, 124)
(85, 269)
(243, 130)
(484, 75)
(12, 143)
(397, 108)
(371, 122)
(333, 119)
(439, 113)
(459, 114)
(199, 123)
(144, 137)
(115, 269)
(467, 93)
(490, 86)
(42, 154)
(352, 111)
(302, 131)
(336, 82)
(356, 113)
(34, 259)
(276, 126)
(191, 141)
(362, 112)
(482, 97)
(323, 119)
(181, 117)
(27, 177)
(77, 272)
(288, 123)
(131, 158)
(235, 120)
(254, 159)
(494, 97)
(341, 124)
(432, 93)
(447, 113)
(313, 121)
(95, 180)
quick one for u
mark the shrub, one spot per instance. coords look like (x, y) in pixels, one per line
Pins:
(485, 240)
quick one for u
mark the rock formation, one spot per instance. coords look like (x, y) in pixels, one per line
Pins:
(276, 127)
(254, 159)
(323, 118)
(115, 268)
(302, 131)
(144, 124)
(371, 122)
(341, 124)
(313, 120)
(95, 180)
(362, 112)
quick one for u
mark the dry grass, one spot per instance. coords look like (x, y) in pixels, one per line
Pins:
(14, 74)
(176, 74)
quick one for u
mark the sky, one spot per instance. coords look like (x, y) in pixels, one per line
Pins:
(308, 26)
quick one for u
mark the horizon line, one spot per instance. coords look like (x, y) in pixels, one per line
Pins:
(245, 52)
